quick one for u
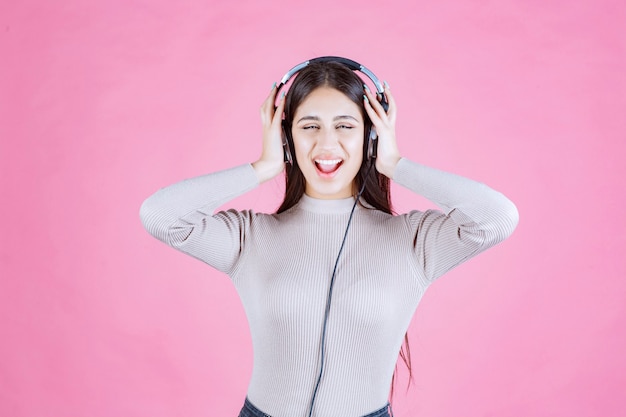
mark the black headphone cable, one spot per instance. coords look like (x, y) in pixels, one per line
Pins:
(332, 284)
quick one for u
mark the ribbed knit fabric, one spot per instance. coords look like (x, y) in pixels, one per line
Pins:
(281, 266)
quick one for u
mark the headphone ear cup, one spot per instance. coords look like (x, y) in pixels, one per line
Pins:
(372, 140)
(286, 148)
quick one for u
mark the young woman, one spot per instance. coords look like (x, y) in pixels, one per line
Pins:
(328, 293)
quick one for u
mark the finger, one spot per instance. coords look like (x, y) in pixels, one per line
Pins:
(267, 108)
(371, 112)
(374, 103)
(273, 92)
(278, 113)
(391, 111)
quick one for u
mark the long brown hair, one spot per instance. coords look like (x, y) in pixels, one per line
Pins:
(376, 193)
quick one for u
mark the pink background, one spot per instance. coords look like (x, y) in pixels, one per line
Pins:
(103, 102)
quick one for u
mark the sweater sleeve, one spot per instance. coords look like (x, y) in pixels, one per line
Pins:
(182, 215)
(473, 217)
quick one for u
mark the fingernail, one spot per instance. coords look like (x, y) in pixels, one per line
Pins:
(366, 87)
(273, 86)
(282, 95)
(386, 84)
(365, 97)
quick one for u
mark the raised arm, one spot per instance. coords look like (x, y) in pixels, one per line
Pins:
(473, 217)
(182, 215)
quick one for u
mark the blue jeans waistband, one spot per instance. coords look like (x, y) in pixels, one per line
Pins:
(249, 410)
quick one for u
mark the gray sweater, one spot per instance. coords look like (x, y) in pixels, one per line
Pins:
(281, 266)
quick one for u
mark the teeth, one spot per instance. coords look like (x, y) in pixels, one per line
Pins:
(328, 161)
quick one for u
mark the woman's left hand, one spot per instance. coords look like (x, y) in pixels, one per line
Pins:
(388, 154)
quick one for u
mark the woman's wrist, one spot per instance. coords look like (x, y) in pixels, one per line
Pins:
(388, 166)
(265, 171)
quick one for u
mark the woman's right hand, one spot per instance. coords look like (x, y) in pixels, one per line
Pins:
(271, 163)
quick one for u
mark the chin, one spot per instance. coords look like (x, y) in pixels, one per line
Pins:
(330, 185)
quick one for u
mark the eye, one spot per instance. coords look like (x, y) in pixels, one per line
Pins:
(309, 127)
(344, 127)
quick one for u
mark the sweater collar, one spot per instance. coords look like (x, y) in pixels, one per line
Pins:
(316, 205)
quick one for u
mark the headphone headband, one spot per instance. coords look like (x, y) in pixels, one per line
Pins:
(353, 65)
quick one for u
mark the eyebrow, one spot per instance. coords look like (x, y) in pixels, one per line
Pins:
(336, 118)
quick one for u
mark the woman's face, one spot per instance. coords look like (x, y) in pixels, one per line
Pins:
(327, 132)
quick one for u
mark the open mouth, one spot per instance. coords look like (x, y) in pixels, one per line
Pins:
(328, 166)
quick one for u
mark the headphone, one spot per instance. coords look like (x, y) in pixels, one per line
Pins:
(354, 66)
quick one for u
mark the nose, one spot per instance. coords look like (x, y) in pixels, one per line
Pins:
(327, 139)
